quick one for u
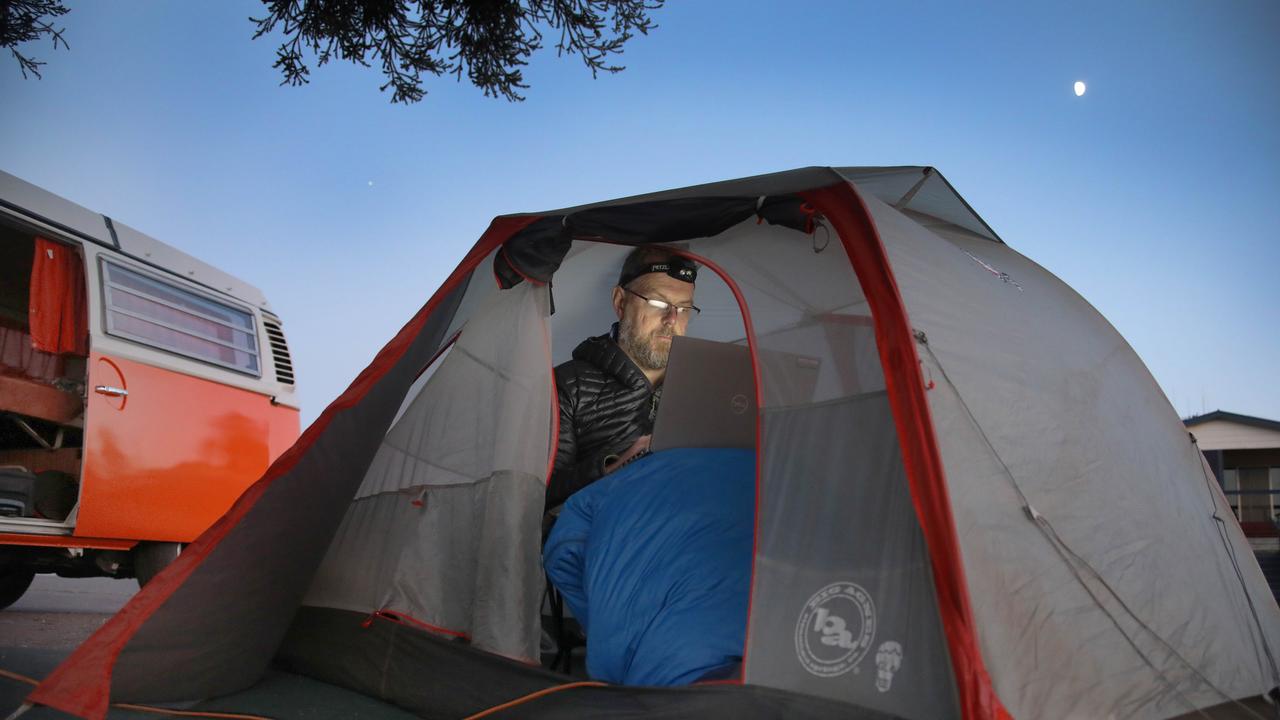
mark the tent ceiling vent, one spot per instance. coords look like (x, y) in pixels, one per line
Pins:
(279, 352)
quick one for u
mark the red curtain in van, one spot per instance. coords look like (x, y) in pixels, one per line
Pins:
(59, 314)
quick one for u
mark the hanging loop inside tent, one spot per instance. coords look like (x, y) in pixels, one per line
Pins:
(813, 220)
(826, 237)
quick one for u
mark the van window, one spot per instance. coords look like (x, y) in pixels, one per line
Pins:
(148, 310)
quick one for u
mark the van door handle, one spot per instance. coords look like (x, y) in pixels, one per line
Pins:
(112, 391)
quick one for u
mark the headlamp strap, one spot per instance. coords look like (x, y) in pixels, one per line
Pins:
(681, 270)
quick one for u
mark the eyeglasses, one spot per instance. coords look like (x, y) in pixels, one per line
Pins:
(664, 307)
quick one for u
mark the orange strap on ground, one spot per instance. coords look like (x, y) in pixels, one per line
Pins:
(19, 678)
(534, 696)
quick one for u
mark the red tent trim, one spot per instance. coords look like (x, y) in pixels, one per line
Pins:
(406, 619)
(922, 459)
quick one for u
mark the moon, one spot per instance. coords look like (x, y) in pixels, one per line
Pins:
(1079, 88)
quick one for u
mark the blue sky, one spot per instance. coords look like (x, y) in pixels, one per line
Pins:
(1154, 195)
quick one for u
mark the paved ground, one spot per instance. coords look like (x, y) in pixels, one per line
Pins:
(61, 612)
(57, 614)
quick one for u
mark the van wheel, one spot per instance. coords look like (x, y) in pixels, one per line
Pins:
(14, 581)
(149, 558)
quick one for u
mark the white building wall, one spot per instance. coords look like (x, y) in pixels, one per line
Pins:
(1227, 435)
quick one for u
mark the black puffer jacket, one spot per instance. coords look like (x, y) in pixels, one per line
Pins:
(606, 402)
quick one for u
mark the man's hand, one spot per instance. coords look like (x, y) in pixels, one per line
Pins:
(640, 445)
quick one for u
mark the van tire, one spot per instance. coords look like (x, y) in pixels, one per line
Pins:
(14, 581)
(149, 558)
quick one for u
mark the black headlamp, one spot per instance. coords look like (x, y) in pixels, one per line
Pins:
(677, 267)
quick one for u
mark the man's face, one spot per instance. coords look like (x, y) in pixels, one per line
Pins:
(645, 332)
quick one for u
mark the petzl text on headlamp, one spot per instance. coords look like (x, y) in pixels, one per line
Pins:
(678, 268)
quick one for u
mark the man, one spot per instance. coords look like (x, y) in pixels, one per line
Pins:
(609, 391)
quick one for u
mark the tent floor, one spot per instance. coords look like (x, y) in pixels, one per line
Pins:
(388, 659)
(278, 695)
(288, 695)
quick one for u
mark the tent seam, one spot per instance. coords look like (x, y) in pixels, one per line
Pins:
(1063, 550)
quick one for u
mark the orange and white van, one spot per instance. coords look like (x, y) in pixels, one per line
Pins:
(141, 391)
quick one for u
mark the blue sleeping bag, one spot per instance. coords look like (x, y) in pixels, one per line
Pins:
(654, 560)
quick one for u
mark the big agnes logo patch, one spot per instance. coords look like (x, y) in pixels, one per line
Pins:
(835, 629)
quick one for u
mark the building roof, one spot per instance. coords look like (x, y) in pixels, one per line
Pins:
(1249, 420)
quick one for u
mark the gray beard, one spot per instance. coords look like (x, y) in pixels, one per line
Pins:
(643, 351)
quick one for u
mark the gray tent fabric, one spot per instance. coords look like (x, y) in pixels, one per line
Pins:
(1105, 573)
(445, 527)
(1092, 539)
(928, 194)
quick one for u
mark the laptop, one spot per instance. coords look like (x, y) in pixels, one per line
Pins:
(708, 397)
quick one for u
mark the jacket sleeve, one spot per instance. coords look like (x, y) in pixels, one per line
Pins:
(570, 473)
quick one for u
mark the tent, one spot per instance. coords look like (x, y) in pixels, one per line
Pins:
(983, 506)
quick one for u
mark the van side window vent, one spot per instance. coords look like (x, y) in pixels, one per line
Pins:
(279, 351)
